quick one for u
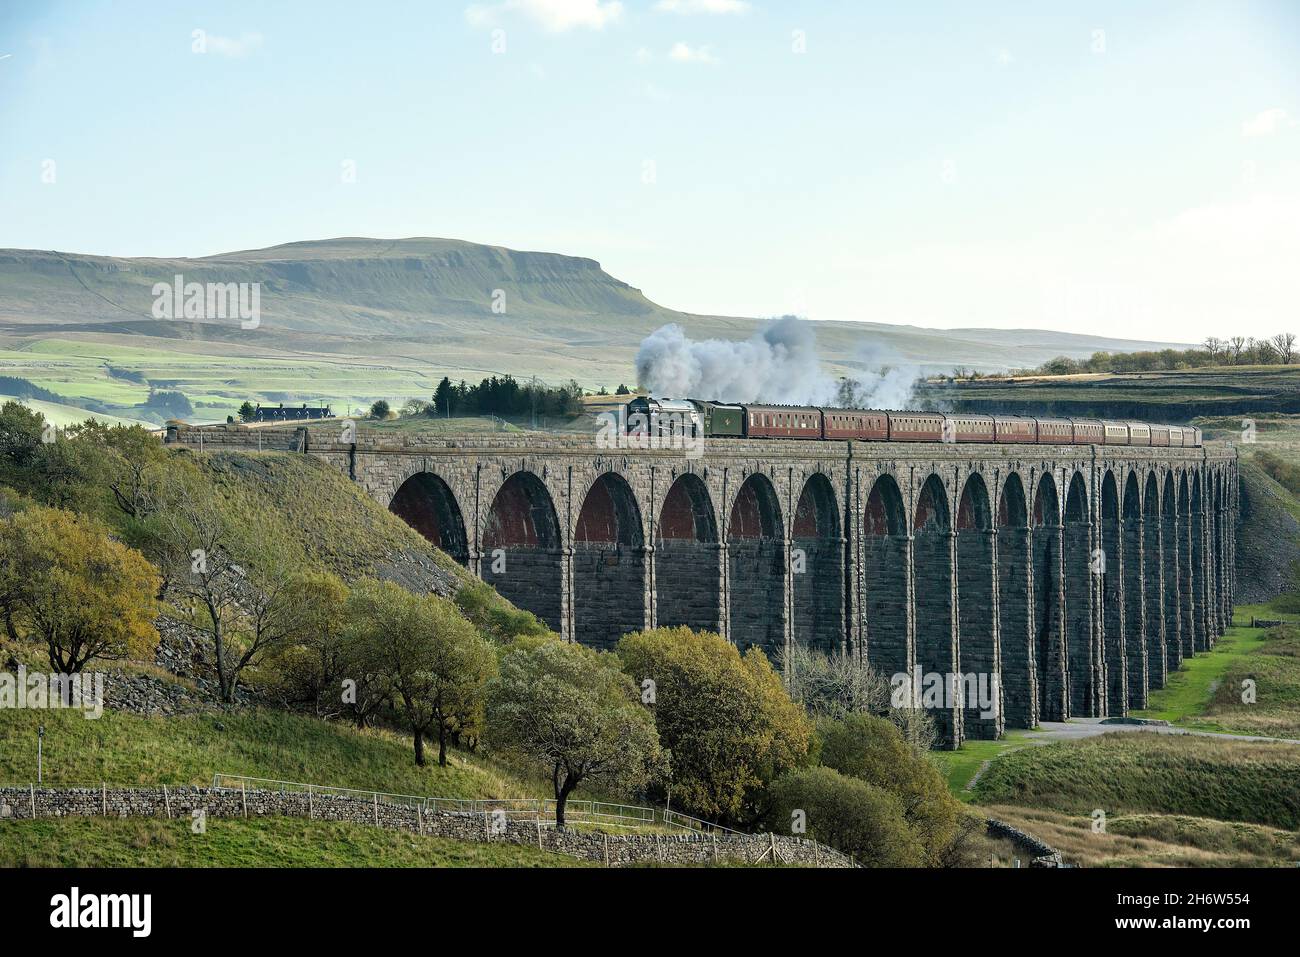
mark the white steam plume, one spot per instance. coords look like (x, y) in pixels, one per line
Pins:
(778, 364)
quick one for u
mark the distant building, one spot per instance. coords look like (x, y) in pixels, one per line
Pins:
(292, 414)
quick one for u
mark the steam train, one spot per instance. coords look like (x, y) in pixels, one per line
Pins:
(695, 418)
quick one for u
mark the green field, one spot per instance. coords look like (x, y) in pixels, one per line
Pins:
(267, 842)
(62, 415)
(1189, 691)
(960, 767)
(215, 379)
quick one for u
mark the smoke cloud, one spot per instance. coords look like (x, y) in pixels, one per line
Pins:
(778, 364)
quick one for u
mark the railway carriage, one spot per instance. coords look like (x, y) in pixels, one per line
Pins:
(783, 422)
(1115, 433)
(1015, 430)
(855, 424)
(1089, 432)
(969, 428)
(1139, 433)
(915, 427)
(1055, 432)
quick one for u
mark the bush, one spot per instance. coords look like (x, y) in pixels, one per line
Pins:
(874, 750)
(727, 720)
(832, 685)
(849, 814)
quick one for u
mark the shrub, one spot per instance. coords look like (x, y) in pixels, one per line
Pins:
(873, 750)
(494, 616)
(849, 814)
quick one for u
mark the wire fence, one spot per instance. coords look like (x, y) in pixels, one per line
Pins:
(540, 809)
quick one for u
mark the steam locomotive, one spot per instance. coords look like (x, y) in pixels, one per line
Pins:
(696, 418)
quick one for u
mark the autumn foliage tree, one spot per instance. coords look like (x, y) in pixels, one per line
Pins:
(726, 719)
(70, 586)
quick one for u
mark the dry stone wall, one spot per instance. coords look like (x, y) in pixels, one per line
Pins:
(613, 850)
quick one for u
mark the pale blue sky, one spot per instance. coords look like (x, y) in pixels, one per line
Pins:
(951, 164)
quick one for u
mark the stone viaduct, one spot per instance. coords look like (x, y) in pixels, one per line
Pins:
(1077, 577)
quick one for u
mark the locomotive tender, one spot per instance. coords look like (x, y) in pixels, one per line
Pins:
(701, 418)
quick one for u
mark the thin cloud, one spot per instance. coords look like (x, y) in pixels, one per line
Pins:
(556, 16)
(232, 47)
(685, 53)
(1267, 123)
(702, 6)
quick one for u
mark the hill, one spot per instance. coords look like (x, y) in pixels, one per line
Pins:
(351, 320)
(1175, 395)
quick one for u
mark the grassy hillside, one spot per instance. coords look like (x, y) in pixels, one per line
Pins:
(1155, 840)
(129, 749)
(1125, 773)
(318, 516)
(270, 842)
(349, 321)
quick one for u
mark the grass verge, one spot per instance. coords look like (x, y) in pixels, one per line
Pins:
(266, 842)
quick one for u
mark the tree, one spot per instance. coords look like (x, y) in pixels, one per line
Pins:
(247, 412)
(380, 410)
(496, 618)
(364, 684)
(727, 721)
(1215, 347)
(129, 462)
(436, 664)
(442, 397)
(832, 685)
(414, 407)
(860, 819)
(874, 750)
(1061, 365)
(576, 713)
(72, 587)
(20, 434)
(174, 403)
(311, 670)
(1236, 346)
(1284, 346)
(245, 613)
(622, 390)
